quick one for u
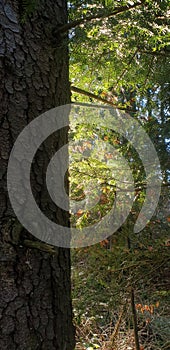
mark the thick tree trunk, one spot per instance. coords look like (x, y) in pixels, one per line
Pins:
(35, 300)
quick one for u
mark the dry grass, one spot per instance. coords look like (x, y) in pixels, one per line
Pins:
(89, 336)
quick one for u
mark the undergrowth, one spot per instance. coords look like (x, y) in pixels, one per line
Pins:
(102, 279)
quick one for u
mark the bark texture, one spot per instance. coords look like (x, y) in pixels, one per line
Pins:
(35, 298)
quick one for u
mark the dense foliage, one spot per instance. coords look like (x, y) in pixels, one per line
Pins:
(120, 53)
(129, 49)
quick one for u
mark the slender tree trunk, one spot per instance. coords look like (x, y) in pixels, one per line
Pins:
(35, 298)
(133, 308)
(135, 321)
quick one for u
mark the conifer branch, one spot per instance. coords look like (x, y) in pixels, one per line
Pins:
(98, 98)
(101, 14)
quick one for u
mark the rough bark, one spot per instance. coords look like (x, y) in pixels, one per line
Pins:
(35, 301)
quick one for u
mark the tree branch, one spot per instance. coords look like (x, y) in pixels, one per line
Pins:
(139, 187)
(149, 71)
(89, 94)
(125, 70)
(156, 53)
(164, 19)
(99, 15)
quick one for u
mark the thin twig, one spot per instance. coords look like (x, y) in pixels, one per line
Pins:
(114, 335)
(156, 53)
(148, 73)
(125, 70)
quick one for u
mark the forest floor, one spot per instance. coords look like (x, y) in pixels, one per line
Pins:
(102, 311)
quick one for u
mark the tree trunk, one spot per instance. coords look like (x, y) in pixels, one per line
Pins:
(35, 297)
